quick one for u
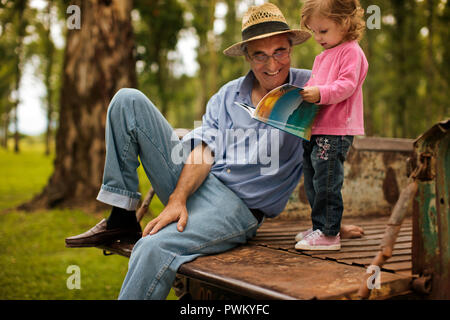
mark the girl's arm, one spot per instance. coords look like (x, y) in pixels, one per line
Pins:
(346, 83)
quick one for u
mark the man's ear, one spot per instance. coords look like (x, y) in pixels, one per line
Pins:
(247, 58)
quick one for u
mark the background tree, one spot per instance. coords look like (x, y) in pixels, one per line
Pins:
(15, 16)
(98, 61)
(49, 67)
(203, 22)
(156, 30)
(7, 75)
(230, 67)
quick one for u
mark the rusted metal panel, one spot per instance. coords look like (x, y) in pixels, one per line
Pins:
(269, 267)
(431, 229)
(289, 276)
(374, 174)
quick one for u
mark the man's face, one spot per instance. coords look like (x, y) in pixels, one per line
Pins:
(271, 73)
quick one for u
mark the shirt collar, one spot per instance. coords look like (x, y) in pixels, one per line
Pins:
(245, 88)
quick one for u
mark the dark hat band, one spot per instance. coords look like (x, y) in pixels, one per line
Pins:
(263, 28)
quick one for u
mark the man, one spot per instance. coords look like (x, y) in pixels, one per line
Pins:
(219, 183)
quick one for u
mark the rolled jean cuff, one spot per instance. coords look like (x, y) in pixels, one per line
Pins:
(119, 198)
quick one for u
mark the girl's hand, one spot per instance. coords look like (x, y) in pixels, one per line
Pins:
(311, 94)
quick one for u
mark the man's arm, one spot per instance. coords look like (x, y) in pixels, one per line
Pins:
(195, 171)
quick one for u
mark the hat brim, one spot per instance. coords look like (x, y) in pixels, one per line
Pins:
(296, 36)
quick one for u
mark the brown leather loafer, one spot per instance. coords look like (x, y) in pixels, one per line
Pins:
(99, 235)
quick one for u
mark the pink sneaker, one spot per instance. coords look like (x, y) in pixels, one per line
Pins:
(316, 240)
(301, 235)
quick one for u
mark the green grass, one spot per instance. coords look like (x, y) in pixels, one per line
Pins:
(23, 174)
(33, 257)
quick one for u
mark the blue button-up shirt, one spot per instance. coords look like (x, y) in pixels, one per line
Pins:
(259, 163)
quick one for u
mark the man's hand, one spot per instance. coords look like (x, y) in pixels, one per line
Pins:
(195, 171)
(311, 94)
(174, 211)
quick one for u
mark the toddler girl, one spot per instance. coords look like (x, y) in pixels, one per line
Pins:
(335, 85)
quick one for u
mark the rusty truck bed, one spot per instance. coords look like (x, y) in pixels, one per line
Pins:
(269, 267)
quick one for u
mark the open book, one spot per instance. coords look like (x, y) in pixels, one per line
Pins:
(284, 108)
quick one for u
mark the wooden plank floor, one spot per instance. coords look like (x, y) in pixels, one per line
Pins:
(269, 267)
(280, 234)
(260, 272)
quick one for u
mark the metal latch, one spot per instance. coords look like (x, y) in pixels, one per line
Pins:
(425, 170)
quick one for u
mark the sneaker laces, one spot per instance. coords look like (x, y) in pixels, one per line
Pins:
(314, 235)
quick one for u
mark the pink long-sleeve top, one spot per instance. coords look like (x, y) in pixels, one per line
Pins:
(339, 74)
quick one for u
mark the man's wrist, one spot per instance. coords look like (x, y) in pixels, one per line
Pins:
(178, 197)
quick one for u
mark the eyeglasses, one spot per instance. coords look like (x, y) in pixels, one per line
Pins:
(280, 55)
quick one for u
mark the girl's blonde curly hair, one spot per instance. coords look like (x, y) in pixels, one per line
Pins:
(343, 12)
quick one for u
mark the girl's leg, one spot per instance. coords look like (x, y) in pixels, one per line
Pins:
(328, 155)
(308, 172)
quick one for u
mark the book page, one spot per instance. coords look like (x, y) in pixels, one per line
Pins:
(284, 108)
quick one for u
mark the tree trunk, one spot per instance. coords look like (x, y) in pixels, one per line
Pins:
(204, 16)
(99, 60)
(400, 55)
(5, 130)
(19, 65)
(49, 52)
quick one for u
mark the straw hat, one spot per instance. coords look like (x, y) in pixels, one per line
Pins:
(261, 22)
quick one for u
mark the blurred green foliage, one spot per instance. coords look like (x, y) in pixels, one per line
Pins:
(408, 56)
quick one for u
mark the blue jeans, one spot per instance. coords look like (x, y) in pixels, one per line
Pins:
(323, 170)
(218, 220)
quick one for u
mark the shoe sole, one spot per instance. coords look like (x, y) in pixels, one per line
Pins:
(321, 248)
(102, 243)
(84, 245)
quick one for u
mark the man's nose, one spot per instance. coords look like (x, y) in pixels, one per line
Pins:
(271, 63)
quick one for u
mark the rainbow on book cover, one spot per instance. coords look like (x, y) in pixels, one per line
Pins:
(285, 109)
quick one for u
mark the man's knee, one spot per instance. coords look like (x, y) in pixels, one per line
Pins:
(127, 93)
(127, 98)
(129, 102)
